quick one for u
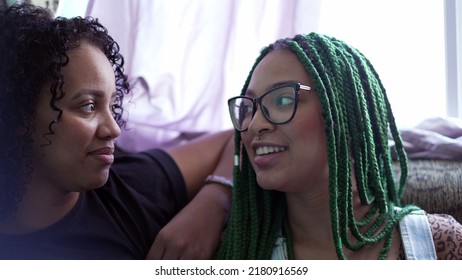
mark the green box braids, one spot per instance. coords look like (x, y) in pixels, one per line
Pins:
(358, 121)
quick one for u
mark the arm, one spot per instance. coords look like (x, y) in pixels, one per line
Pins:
(200, 157)
(446, 232)
(195, 232)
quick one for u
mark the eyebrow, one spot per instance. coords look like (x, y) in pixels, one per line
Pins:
(252, 93)
(94, 93)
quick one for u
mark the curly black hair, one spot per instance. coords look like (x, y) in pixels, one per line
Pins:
(33, 48)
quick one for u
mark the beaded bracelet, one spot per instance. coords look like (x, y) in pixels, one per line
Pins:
(211, 179)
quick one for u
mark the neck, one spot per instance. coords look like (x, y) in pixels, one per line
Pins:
(311, 230)
(309, 219)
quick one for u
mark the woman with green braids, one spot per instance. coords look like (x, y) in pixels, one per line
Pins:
(313, 176)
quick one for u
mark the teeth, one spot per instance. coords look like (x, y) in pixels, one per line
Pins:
(268, 150)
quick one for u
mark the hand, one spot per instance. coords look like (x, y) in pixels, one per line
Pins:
(195, 232)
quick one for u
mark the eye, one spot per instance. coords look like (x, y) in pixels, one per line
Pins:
(246, 109)
(89, 107)
(115, 103)
(284, 100)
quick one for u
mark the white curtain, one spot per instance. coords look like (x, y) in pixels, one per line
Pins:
(186, 58)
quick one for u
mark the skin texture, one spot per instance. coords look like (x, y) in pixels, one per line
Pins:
(81, 150)
(304, 158)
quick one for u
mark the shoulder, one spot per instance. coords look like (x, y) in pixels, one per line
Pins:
(157, 156)
(447, 236)
(151, 163)
(152, 174)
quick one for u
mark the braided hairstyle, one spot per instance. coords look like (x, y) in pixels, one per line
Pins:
(33, 47)
(358, 121)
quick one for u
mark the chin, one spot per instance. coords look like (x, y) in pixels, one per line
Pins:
(267, 184)
(97, 182)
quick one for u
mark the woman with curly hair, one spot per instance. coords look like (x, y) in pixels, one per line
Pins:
(313, 176)
(63, 192)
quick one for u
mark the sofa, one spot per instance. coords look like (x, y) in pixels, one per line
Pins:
(435, 185)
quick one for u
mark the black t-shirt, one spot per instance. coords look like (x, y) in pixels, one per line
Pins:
(117, 221)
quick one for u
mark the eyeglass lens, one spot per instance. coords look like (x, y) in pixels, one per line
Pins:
(278, 106)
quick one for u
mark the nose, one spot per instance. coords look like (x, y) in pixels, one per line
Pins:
(259, 122)
(108, 127)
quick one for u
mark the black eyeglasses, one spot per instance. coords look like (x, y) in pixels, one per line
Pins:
(278, 106)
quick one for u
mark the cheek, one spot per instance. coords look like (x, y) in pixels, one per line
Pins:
(309, 126)
(41, 138)
(74, 130)
(246, 140)
(72, 134)
(311, 145)
(311, 153)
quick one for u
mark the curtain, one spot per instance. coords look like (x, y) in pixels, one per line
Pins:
(186, 58)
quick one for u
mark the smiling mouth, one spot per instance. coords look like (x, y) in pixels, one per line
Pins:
(268, 150)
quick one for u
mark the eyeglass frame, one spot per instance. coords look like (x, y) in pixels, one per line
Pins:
(296, 86)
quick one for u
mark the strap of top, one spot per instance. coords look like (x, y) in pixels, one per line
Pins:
(417, 237)
(415, 233)
(280, 249)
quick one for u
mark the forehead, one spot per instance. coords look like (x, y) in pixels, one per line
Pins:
(86, 58)
(276, 67)
(88, 68)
